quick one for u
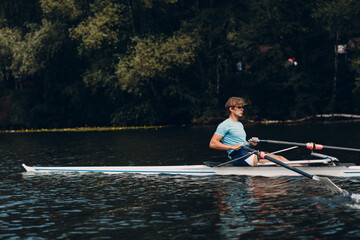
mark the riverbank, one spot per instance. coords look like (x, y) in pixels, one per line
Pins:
(320, 118)
(334, 117)
(80, 129)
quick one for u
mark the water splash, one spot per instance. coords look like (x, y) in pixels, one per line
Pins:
(355, 201)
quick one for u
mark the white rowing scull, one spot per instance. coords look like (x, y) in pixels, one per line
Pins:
(326, 168)
(311, 169)
(325, 165)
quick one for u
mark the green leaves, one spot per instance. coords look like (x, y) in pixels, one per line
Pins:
(101, 28)
(28, 54)
(67, 10)
(337, 15)
(153, 57)
(166, 61)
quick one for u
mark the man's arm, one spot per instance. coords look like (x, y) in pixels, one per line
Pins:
(216, 143)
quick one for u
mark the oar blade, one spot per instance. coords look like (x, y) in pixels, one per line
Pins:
(329, 184)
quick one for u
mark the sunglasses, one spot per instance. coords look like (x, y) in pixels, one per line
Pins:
(239, 107)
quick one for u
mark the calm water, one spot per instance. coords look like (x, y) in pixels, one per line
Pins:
(99, 206)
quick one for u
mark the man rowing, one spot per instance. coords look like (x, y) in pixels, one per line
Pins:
(230, 136)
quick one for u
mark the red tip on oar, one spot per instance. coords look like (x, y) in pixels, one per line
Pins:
(313, 146)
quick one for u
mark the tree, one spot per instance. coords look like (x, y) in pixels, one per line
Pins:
(341, 20)
(154, 67)
(135, 62)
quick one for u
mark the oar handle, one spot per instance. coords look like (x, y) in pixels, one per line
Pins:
(265, 156)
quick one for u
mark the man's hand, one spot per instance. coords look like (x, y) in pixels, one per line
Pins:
(254, 141)
(237, 146)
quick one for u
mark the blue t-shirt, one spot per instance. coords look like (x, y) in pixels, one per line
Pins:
(232, 133)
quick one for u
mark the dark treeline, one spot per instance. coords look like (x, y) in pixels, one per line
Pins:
(68, 63)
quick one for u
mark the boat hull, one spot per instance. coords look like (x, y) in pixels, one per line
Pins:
(204, 170)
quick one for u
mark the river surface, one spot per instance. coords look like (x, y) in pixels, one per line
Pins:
(130, 206)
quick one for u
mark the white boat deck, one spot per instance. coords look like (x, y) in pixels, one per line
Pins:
(204, 170)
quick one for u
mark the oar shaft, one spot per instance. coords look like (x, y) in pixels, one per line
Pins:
(283, 142)
(325, 181)
(264, 156)
(342, 148)
(311, 146)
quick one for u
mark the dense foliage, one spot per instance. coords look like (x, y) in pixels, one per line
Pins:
(67, 63)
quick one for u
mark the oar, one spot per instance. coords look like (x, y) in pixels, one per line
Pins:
(311, 146)
(247, 155)
(324, 180)
(233, 160)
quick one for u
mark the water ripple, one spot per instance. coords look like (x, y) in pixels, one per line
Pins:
(126, 206)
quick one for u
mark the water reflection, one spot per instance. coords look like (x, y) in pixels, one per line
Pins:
(249, 205)
(127, 206)
(277, 207)
(172, 207)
